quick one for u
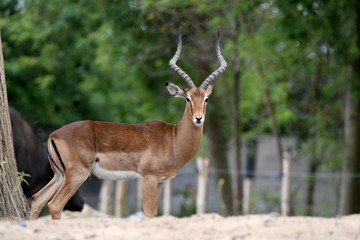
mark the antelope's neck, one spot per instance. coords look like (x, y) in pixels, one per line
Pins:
(188, 139)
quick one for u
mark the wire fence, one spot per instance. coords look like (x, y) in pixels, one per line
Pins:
(266, 194)
(275, 174)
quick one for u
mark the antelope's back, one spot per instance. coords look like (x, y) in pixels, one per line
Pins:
(131, 137)
(78, 134)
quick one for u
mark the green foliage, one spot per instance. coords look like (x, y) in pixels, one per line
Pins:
(66, 60)
(71, 61)
(187, 209)
(20, 178)
(271, 201)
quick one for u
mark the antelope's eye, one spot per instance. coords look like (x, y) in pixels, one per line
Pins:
(188, 99)
(206, 100)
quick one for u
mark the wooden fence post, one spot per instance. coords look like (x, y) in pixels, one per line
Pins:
(167, 197)
(106, 201)
(249, 176)
(203, 165)
(247, 188)
(285, 184)
(120, 192)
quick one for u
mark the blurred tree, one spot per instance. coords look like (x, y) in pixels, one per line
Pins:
(317, 97)
(351, 162)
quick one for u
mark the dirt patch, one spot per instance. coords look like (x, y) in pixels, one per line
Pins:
(207, 226)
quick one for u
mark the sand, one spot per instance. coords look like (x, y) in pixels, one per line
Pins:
(207, 226)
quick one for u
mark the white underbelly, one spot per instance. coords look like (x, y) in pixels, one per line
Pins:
(113, 175)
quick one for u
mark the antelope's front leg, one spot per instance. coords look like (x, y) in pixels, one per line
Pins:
(158, 190)
(151, 191)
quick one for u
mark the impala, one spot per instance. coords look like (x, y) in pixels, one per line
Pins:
(154, 151)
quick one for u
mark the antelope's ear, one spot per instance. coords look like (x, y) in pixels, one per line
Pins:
(175, 90)
(209, 90)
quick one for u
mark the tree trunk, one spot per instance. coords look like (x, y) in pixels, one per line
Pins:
(314, 162)
(236, 130)
(217, 139)
(234, 115)
(249, 177)
(311, 187)
(217, 144)
(351, 163)
(270, 112)
(12, 199)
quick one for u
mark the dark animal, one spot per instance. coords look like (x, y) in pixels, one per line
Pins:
(32, 158)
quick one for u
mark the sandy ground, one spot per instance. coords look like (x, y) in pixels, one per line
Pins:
(207, 226)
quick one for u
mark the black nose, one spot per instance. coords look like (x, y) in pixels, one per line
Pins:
(198, 119)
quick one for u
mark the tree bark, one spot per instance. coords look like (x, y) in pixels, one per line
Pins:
(12, 200)
(351, 163)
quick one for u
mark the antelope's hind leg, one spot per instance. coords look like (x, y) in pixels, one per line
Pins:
(46, 193)
(73, 179)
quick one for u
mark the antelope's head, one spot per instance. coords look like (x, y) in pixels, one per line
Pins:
(196, 97)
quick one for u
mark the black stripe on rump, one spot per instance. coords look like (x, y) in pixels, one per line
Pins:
(52, 160)
(58, 154)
